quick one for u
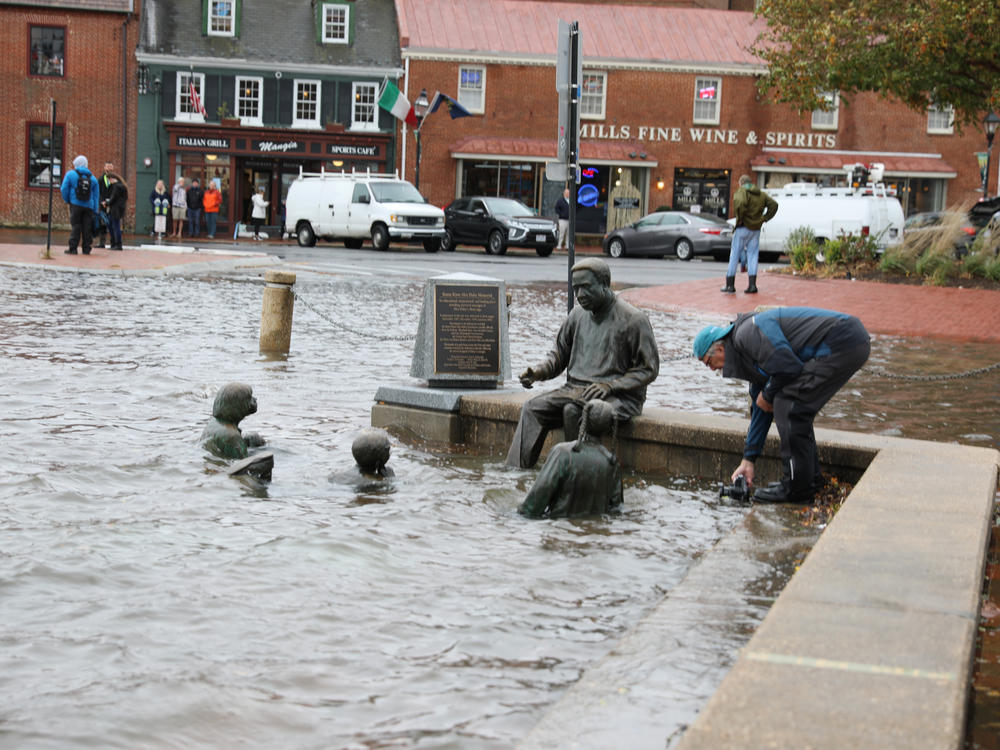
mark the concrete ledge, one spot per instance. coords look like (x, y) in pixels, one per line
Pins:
(869, 645)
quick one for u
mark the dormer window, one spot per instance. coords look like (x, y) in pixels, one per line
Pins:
(221, 17)
(335, 23)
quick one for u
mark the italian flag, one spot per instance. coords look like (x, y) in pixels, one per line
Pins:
(393, 101)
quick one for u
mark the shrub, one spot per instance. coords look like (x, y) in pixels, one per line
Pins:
(800, 247)
(933, 263)
(897, 260)
(976, 262)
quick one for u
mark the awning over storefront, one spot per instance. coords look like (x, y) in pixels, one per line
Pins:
(543, 150)
(827, 162)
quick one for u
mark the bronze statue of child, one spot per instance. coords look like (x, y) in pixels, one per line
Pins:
(222, 435)
(580, 477)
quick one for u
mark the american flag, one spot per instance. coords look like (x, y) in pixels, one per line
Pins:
(195, 99)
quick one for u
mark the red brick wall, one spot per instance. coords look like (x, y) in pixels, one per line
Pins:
(521, 102)
(88, 98)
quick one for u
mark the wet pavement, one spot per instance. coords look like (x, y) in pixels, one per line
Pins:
(900, 309)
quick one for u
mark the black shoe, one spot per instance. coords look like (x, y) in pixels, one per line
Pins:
(781, 494)
(752, 288)
(100, 246)
(730, 287)
(69, 252)
(115, 247)
(86, 252)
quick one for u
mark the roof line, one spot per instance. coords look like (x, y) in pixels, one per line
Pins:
(228, 63)
(471, 56)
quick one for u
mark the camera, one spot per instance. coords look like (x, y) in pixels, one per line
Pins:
(738, 490)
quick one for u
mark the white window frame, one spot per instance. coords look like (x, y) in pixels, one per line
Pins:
(328, 39)
(298, 122)
(827, 119)
(585, 97)
(466, 90)
(181, 95)
(231, 17)
(934, 117)
(239, 97)
(357, 124)
(702, 118)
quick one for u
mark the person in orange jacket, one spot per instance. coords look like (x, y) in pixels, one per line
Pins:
(211, 202)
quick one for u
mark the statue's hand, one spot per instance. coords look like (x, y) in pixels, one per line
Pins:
(596, 390)
(528, 377)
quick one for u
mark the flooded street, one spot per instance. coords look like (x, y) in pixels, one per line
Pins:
(151, 601)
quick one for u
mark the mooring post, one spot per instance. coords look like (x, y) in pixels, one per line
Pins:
(276, 315)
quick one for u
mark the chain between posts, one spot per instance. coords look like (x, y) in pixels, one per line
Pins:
(664, 356)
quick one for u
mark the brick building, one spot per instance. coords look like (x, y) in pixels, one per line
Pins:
(670, 113)
(80, 54)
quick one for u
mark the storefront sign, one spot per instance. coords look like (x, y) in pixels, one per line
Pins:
(345, 150)
(281, 147)
(654, 134)
(187, 141)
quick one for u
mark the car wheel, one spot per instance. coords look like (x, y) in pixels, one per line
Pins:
(432, 244)
(448, 241)
(353, 243)
(545, 250)
(684, 249)
(721, 255)
(305, 235)
(616, 248)
(380, 237)
(495, 244)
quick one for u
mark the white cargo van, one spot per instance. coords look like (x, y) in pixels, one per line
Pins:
(353, 206)
(867, 210)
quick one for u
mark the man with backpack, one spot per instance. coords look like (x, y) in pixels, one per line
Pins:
(80, 190)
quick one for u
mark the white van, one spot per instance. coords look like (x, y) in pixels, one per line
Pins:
(867, 210)
(353, 206)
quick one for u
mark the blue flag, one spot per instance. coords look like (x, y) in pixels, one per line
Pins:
(455, 109)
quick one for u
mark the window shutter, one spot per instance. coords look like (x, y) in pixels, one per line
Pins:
(386, 120)
(169, 93)
(237, 15)
(269, 107)
(286, 94)
(350, 25)
(319, 23)
(344, 103)
(212, 97)
(329, 101)
(204, 16)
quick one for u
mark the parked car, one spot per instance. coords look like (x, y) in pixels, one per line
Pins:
(496, 224)
(353, 206)
(926, 223)
(677, 232)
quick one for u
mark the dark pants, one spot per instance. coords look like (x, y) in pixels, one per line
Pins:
(559, 408)
(194, 221)
(81, 220)
(211, 221)
(257, 222)
(796, 405)
(115, 228)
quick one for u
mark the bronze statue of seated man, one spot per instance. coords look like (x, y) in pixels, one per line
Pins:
(608, 351)
(579, 478)
(222, 435)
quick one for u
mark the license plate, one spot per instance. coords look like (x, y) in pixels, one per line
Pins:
(539, 238)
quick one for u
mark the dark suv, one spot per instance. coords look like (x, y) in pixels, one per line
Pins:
(496, 224)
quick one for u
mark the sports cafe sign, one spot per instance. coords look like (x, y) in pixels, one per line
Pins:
(655, 134)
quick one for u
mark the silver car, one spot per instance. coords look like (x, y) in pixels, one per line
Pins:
(678, 232)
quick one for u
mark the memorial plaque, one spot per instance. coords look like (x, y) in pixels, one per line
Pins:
(466, 329)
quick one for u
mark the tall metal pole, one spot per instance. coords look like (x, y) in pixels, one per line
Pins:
(52, 174)
(574, 161)
(989, 157)
(416, 171)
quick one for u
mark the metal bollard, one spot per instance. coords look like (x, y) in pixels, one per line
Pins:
(276, 315)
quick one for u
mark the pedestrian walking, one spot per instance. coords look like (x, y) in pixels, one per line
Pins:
(752, 208)
(259, 212)
(115, 207)
(81, 192)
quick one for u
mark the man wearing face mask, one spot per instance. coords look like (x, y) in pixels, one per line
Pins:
(608, 351)
(751, 208)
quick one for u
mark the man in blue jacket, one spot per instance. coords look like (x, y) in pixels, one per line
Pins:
(795, 359)
(80, 190)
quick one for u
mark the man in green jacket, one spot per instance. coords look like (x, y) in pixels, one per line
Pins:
(752, 208)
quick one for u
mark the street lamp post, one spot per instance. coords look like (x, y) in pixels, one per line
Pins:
(990, 123)
(420, 110)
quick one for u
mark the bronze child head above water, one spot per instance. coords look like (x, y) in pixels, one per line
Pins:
(222, 435)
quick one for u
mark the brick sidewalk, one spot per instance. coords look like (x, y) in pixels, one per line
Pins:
(902, 309)
(103, 259)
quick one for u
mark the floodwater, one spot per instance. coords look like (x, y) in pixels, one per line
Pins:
(151, 601)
